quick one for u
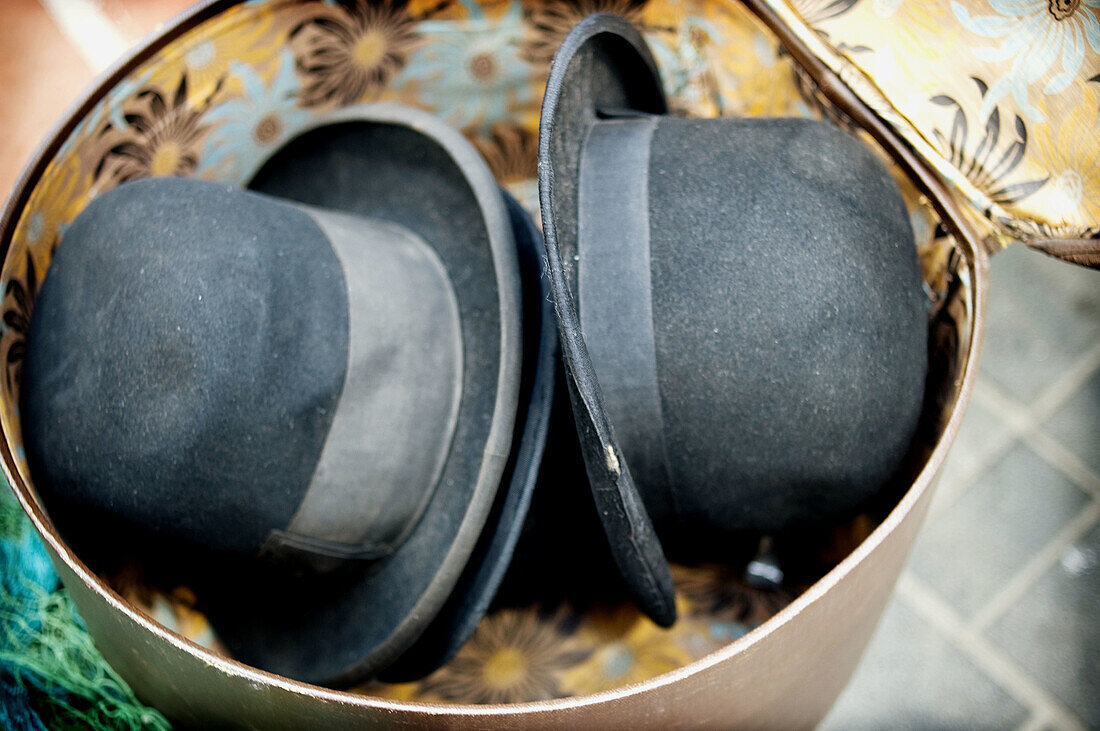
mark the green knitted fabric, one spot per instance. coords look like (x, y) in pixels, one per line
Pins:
(51, 675)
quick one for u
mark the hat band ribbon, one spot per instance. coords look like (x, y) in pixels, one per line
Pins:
(614, 294)
(396, 418)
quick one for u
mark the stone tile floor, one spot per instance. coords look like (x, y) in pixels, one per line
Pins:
(994, 623)
(996, 619)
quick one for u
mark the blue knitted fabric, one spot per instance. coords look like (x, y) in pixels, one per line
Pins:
(51, 675)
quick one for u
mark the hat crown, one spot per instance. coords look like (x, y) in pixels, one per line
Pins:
(233, 370)
(787, 333)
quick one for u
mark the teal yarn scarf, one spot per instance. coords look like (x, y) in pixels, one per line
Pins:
(51, 675)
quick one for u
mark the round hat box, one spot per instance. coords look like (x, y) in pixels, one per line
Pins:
(223, 84)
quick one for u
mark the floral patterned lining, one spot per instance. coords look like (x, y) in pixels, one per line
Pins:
(1006, 93)
(222, 95)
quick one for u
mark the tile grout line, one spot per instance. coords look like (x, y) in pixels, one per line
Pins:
(1023, 423)
(1016, 415)
(1054, 395)
(992, 661)
(1022, 416)
(949, 494)
(1018, 418)
(88, 29)
(992, 452)
(1015, 588)
(1065, 461)
(1038, 720)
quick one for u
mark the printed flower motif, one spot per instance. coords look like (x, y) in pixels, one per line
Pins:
(717, 592)
(683, 55)
(54, 203)
(515, 655)
(19, 296)
(163, 136)
(85, 128)
(389, 691)
(630, 649)
(906, 56)
(82, 149)
(510, 151)
(551, 20)
(57, 199)
(1040, 35)
(1071, 154)
(173, 609)
(987, 162)
(718, 61)
(819, 12)
(471, 70)
(249, 127)
(353, 53)
(240, 35)
(816, 12)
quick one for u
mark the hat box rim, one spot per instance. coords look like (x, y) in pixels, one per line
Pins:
(105, 609)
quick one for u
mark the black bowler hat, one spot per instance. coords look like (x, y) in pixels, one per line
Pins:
(741, 312)
(317, 383)
(487, 567)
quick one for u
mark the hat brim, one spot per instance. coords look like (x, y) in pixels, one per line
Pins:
(404, 166)
(489, 563)
(603, 66)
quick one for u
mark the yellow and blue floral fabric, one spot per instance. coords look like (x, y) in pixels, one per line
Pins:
(997, 95)
(1002, 96)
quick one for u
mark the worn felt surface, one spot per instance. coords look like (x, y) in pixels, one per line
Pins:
(789, 318)
(154, 391)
